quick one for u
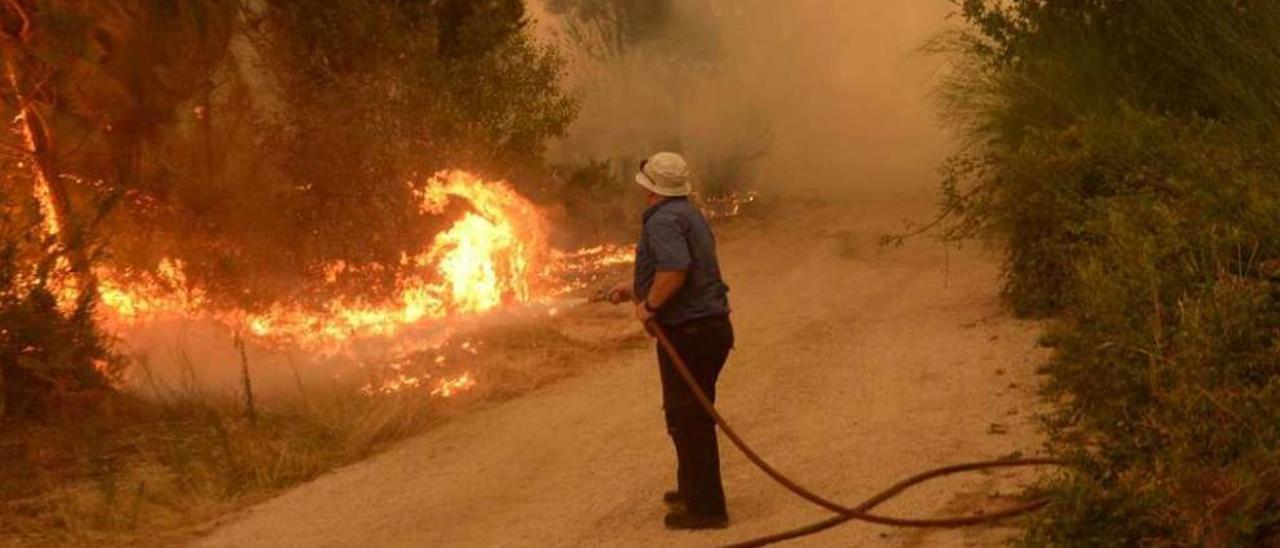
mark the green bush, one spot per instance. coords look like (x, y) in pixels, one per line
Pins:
(1125, 151)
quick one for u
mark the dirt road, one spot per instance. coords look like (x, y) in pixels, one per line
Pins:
(855, 367)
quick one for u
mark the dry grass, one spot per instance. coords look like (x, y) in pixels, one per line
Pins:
(123, 470)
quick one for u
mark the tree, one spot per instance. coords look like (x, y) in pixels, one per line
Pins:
(91, 85)
(605, 29)
(368, 95)
(26, 77)
(88, 84)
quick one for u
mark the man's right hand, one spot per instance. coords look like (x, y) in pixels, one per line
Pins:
(620, 293)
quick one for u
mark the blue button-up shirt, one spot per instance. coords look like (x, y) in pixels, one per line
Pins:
(676, 237)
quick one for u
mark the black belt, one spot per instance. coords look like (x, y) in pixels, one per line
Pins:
(704, 320)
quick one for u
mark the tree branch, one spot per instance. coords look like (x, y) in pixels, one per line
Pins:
(24, 31)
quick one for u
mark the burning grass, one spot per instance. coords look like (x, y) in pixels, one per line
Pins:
(158, 470)
(494, 253)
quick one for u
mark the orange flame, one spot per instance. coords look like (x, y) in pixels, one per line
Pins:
(496, 253)
(485, 258)
(450, 387)
(585, 267)
(483, 261)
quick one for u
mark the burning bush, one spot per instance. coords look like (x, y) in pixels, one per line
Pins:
(49, 351)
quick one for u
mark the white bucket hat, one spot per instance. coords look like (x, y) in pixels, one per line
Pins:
(665, 174)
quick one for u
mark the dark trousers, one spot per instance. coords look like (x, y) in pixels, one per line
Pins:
(704, 346)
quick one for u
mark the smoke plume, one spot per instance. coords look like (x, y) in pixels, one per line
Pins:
(801, 96)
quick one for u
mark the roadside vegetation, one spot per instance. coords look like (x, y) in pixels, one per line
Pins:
(254, 142)
(258, 144)
(1126, 153)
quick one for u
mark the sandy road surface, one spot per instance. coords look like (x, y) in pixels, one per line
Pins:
(855, 367)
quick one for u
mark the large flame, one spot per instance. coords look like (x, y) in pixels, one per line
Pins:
(495, 253)
(486, 257)
(479, 263)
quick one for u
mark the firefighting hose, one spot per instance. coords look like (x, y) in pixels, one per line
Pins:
(861, 512)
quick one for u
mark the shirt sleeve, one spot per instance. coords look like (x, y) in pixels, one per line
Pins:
(669, 244)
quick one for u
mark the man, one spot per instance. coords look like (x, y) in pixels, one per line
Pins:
(677, 285)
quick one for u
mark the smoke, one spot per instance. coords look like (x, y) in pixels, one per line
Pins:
(803, 96)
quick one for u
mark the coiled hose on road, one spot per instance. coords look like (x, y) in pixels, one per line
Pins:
(862, 511)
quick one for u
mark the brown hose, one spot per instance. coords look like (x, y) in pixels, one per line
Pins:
(862, 511)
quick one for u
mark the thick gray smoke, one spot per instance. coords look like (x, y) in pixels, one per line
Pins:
(806, 95)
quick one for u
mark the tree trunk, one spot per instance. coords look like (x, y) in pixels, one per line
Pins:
(49, 190)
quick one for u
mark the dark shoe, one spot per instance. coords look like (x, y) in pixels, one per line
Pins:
(673, 499)
(684, 520)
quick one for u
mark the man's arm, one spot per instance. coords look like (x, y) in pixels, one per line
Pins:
(665, 284)
(671, 253)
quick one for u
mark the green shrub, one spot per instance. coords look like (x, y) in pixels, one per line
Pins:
(1125, 152)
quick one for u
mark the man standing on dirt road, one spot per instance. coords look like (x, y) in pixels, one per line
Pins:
(678, 285)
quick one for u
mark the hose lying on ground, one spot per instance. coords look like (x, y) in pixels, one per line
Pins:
(862, 511)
